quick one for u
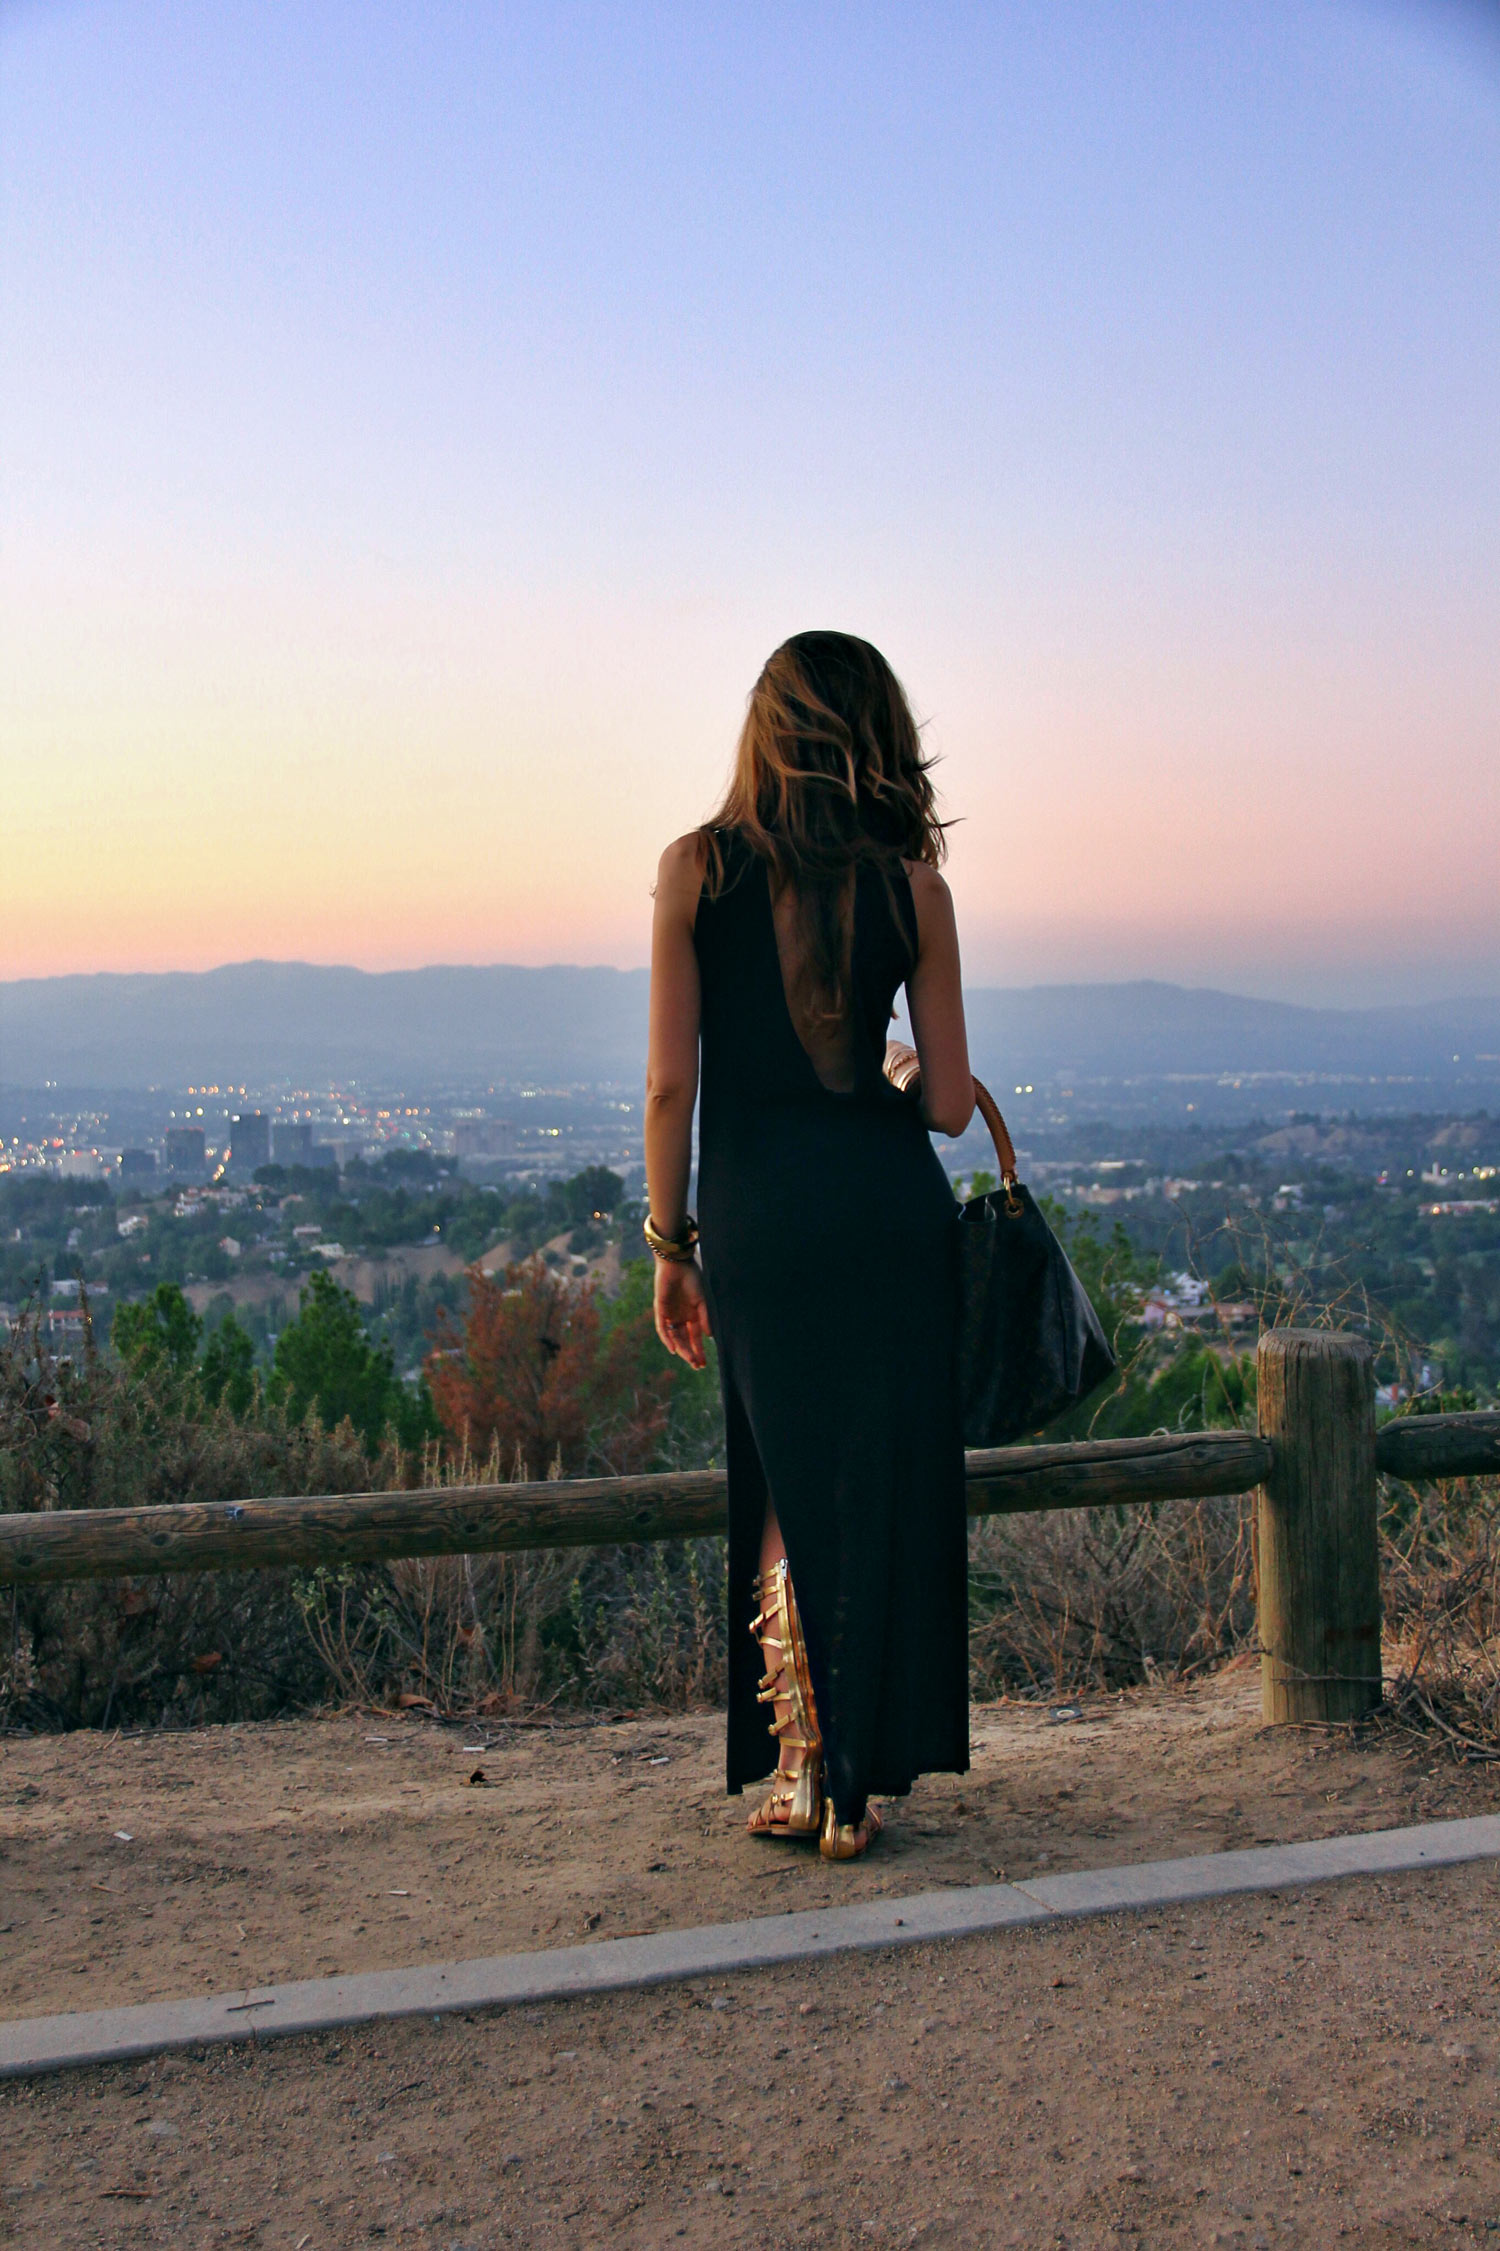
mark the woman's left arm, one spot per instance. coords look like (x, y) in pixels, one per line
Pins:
(935, 998)
(672, 1091)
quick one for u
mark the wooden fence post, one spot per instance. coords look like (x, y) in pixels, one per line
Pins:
(1317, 1545)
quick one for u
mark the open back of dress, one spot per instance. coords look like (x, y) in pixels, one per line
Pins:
(827, 1041)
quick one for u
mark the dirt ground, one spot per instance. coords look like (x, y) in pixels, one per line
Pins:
(139, 1867)
(1302, 2069)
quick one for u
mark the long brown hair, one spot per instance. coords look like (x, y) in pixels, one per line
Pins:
(829, 776)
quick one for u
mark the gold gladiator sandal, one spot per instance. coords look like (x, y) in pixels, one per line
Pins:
(847, 1840)
(795, 1805)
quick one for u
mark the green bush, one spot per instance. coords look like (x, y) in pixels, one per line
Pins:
(325, 1365)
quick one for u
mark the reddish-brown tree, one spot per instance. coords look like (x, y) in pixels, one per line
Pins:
(538, 1369)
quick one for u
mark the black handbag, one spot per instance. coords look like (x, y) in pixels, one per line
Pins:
(1030, 1344)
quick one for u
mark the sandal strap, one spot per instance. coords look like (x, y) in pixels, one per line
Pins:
(787, 1684)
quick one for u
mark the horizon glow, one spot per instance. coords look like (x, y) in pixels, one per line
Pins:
(417, 431)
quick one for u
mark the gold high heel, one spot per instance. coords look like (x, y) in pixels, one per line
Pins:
(840, 1840)
(795, 1805)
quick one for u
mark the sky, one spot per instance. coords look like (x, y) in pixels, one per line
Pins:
(418, 425)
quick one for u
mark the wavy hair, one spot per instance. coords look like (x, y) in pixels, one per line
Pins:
(829, 777)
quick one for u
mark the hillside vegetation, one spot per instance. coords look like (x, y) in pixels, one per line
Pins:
(535, 1369)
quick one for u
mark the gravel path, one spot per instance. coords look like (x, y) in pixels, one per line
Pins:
(1295, 2069)
(1305, 2070)
(144, 1868)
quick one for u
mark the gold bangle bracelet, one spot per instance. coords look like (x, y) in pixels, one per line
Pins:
(677, 1249)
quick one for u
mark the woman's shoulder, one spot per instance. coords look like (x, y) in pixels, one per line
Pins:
(680, 872)
(685, 857)
(931, 899)
(929, 889)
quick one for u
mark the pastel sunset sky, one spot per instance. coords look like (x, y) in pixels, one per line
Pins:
(419, 422)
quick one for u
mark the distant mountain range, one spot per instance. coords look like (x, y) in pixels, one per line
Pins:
(1148, 1030)
(257, 1022)
(261, 1022)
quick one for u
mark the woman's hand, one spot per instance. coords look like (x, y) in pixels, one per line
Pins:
(681, 1310)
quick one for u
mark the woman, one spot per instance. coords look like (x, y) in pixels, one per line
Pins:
(782, 933)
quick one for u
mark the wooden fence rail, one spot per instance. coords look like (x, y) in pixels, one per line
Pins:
(1314, 1461)
(579, 1512)
(1425, 1446)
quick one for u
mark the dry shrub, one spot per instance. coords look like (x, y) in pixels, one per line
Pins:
(1106, 1597)
(1101, 1598)
(1059, 1602)
(184, 1648)
(670, 1603)
(544, 1370)
(590, 1628)
(539, 1371)
(1440, 1572)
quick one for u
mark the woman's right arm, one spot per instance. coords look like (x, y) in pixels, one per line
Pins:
(935, 998)
(672, 1090)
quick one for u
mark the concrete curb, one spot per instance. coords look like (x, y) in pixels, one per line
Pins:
(36, 2044)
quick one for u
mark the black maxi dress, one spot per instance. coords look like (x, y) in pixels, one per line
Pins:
(828, 1243)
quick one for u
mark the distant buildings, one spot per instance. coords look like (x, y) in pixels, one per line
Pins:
(137, 1164)
(68, 1311)
(293, 1144)
(249, 1141)
(84, 1164)
(187, 1152)
(483, 1137)
(1183, 1301)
